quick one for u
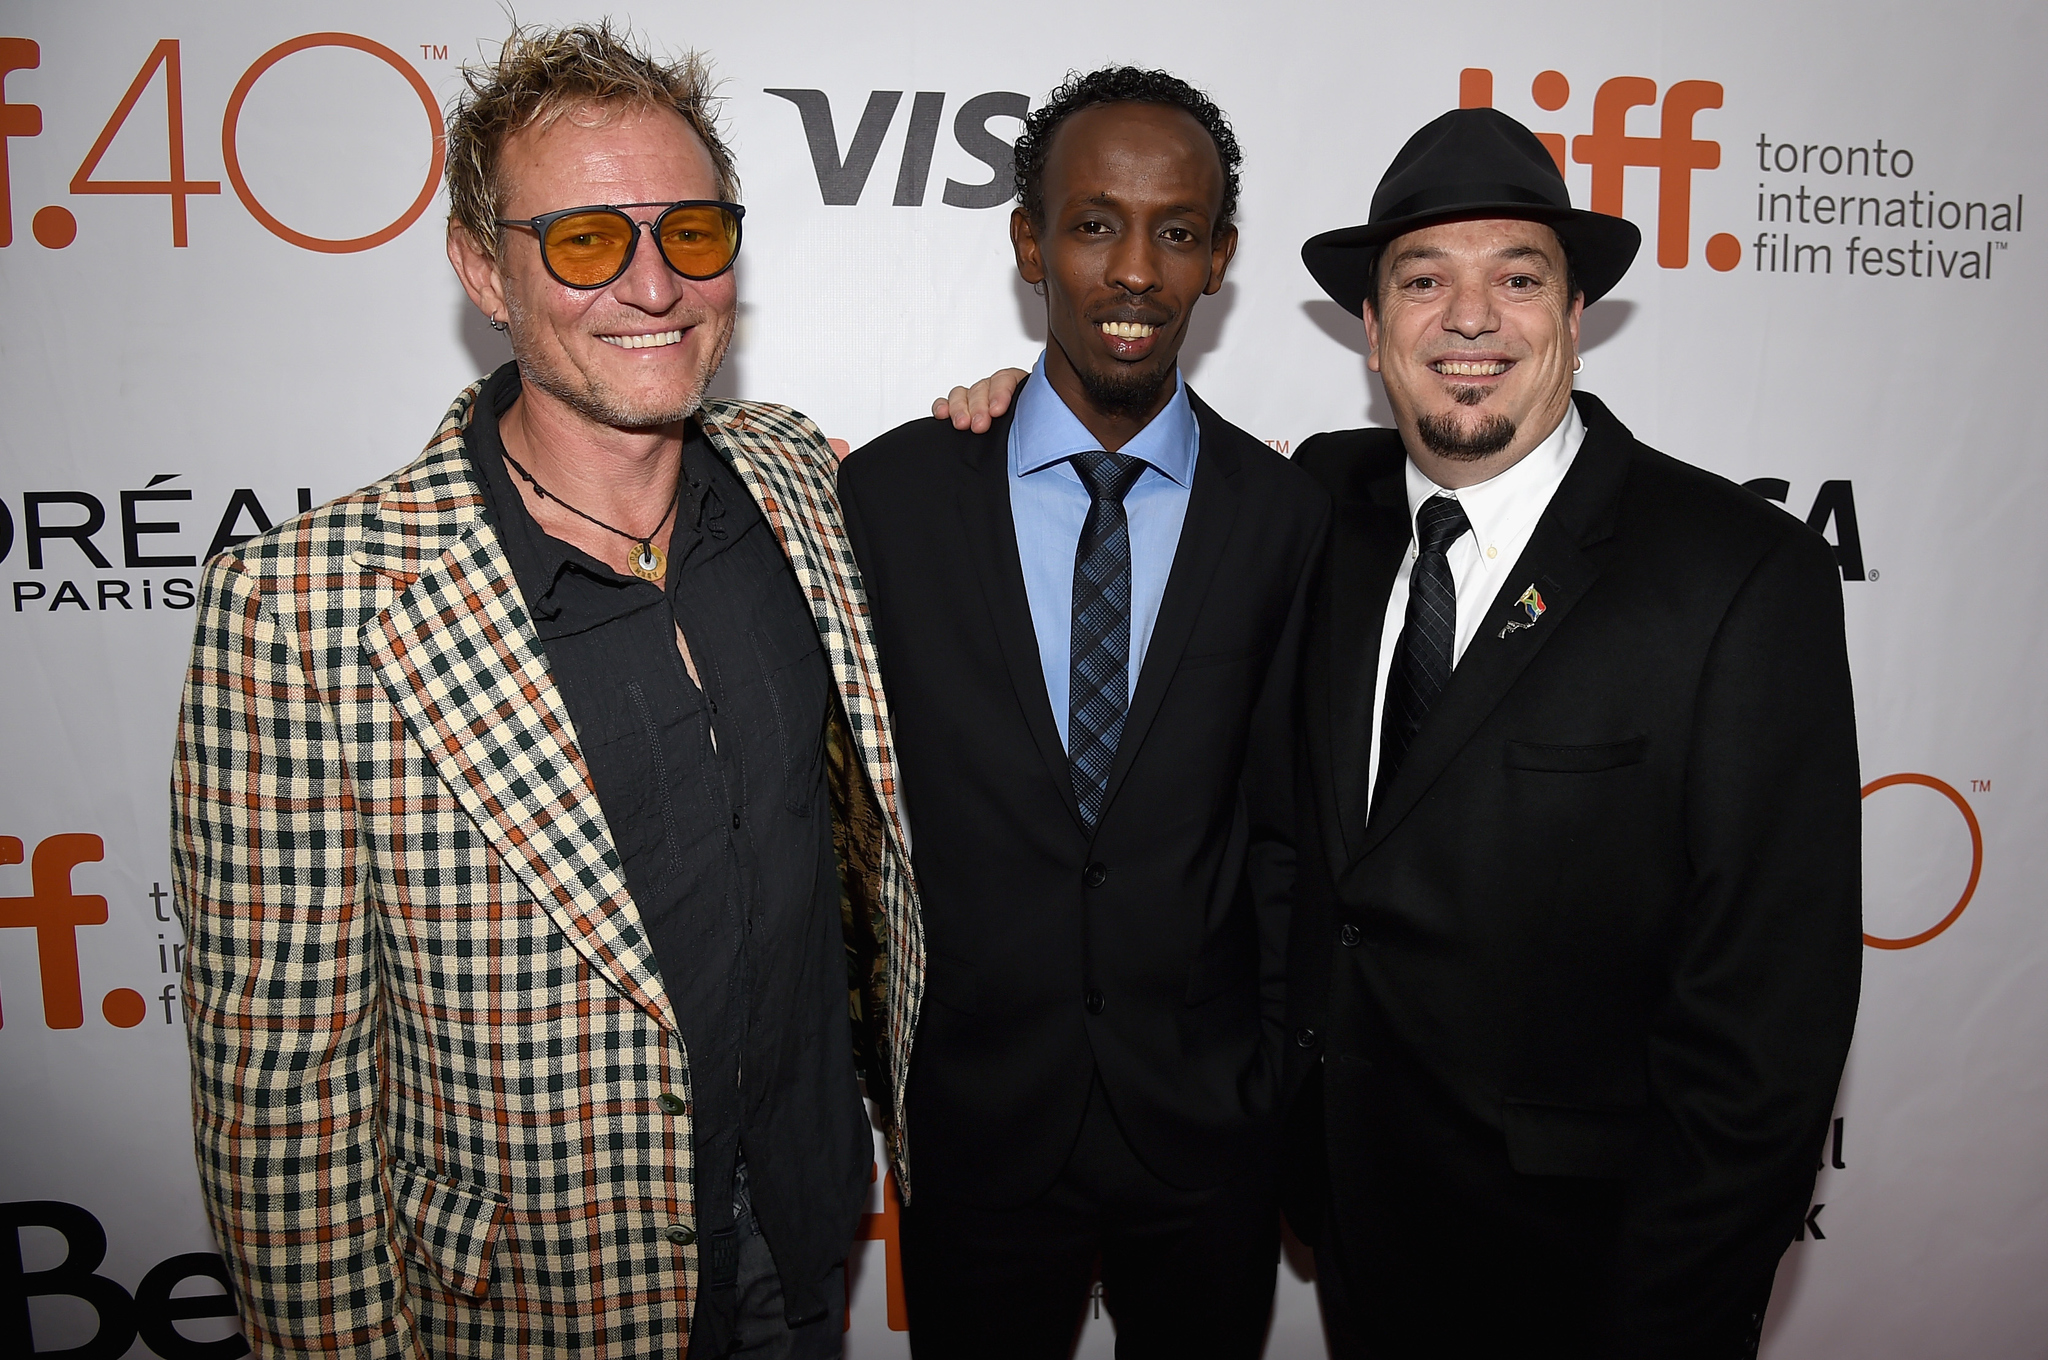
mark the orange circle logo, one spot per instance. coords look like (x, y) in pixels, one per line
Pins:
(234, 161)
(1928, 781)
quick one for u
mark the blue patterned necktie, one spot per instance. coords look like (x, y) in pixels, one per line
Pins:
(1099, 681)
(1422, 659)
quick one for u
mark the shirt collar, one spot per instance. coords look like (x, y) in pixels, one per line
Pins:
(541, 561)
(523, 537)
(1044, 432)
(1492, 501)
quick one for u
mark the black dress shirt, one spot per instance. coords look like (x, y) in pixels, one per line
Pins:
(716, 801)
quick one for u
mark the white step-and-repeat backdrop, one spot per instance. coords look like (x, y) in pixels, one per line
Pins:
(223, 298)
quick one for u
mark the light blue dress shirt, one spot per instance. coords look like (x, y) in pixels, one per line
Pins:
(1049, 503)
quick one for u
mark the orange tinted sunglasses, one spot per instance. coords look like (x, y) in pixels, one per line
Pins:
(592, 246)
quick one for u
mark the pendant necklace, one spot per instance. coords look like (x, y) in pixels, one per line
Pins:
(647, 562)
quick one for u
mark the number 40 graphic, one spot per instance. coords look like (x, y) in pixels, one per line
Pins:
(55, 227)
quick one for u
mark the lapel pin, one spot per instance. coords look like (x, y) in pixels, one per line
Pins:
(1531, 604)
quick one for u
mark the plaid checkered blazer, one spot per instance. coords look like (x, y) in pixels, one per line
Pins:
(442, 1104)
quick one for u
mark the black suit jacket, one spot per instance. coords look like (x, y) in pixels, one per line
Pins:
(1153, 950)
(1585, 975)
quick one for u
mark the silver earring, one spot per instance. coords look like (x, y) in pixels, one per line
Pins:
(1577, 364)
(498, 325)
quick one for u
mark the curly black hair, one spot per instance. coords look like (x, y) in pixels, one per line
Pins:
(1117, 85)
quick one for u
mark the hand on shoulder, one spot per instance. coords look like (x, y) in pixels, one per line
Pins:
(976, 408)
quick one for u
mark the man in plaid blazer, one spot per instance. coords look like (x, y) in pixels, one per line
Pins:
(444, 1103)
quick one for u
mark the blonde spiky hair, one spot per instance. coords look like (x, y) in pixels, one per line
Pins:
(543, 73)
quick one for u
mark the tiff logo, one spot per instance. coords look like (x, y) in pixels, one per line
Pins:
(55, 912)
(1609, 150)
(842, 177)
(886, 1227)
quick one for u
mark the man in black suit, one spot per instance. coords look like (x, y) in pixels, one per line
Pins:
(1089, 620)
(1578, 917)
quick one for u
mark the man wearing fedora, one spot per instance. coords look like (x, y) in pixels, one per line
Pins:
(1576, 944)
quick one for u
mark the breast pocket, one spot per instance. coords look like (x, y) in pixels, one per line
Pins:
(1585, 759)
(797, 689)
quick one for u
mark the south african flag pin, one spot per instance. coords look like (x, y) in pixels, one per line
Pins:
(1531, 604)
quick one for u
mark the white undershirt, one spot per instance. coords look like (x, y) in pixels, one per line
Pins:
(1503, 512)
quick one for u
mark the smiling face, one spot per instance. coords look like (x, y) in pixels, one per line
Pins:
(1475, 341)
(1129, 242)
(638, 352)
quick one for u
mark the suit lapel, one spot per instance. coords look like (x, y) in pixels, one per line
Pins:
(991, 542)
(1367, 541)
(1204, 534)
(456, 653)
(1580, 515)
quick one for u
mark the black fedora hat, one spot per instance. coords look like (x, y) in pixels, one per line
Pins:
(1471, 163)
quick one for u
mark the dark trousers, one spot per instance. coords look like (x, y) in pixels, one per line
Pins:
(1184, 1272)
(761, 1330)
(1406, 1298)
(742, 1313)
(1396, 1283)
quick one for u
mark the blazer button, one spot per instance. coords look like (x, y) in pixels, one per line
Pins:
(1095, 875)
(671, 1103)
(1304, 1038)
(680, 1234)
(1348, 936)
(1094, 1002)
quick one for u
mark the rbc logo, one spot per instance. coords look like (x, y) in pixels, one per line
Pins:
(1609, 150)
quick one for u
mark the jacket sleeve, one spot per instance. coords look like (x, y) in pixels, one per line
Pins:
(1270, 789)
(1748, 1046)
(281, 992)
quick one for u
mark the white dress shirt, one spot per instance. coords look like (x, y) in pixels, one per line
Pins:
(1503, 512)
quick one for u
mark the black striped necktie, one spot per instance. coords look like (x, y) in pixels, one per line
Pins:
(1422, 659)
(1099, 662)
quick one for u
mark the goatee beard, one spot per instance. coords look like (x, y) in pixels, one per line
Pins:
(1124, 395)
(1446, 437)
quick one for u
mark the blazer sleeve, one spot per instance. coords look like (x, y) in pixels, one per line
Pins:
(281, 993)
(1748, 1047)
(1269, 783)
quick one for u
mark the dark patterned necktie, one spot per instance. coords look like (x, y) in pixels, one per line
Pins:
(1099, 675)
(1422, 660)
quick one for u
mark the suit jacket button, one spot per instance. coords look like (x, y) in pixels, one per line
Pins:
(1348, 935)
(671, 1103)
(1095, 875)
(1094, 1002)
(1304, 1038)
(680, 1234)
